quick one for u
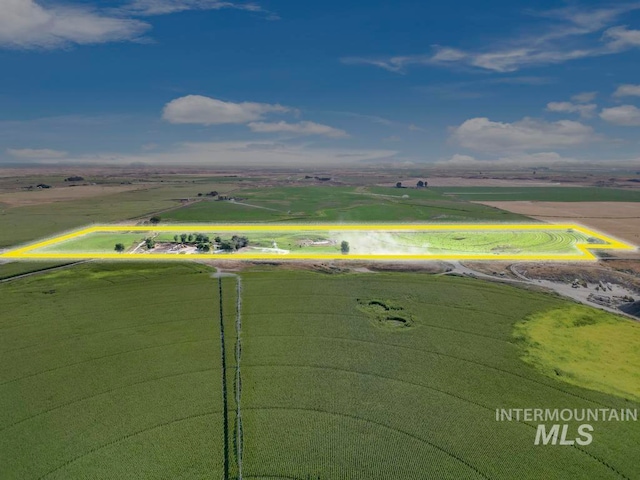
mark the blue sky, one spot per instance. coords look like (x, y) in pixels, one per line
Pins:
(319, 83)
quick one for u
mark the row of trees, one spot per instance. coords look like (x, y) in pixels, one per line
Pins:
(202, 242)
(236, 243)
(420, 184)
(194, 238)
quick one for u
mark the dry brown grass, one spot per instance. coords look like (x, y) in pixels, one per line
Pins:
(61, 194)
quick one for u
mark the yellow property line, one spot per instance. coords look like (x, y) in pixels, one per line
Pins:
(583, 249)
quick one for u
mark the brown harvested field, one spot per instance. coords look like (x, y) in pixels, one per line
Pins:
(61, 194)
(480, 182)
(620, 219)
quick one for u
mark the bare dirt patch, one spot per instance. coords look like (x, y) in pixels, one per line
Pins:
(61, 194)
(589, 273)
(496, 269)
(631, 267)
(620, 219)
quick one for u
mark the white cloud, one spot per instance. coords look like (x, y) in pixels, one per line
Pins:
(521, 160)
(25, 24)
(538, 159)
(482, 134)
(241, 154)
(163, 7)
(625, 115)
(621, 38)
(585, 110)
(458, 159)
(202, 110)
(554, 44)
(627, 91)
(29, 24)
(300, 128)
(371, 118)
(393, 64)
(584, 97)
(39, 154)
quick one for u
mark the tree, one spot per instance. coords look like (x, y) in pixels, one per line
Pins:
(203, 247)
(155, 220)
(399, 185)
(239, 242)
(183, 237)
(420, 184)
(190, 238)
(176, 238)
(226, 245)
(119, 247)
(150, 243)
(217, 239)
(344, 247)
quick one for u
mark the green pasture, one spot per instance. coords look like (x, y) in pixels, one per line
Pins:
(97, 242)
(585, 347)
(489, 242)
(499, 241)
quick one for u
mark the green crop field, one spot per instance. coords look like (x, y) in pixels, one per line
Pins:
(339, 204)
(14, 269)
(123, 374)
(116, 371)
(327, 204)
(20, 224)
(540, 194)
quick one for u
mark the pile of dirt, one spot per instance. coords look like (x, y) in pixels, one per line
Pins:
(570, 273)
(426, 267)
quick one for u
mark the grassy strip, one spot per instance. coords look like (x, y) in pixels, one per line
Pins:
(585, 347)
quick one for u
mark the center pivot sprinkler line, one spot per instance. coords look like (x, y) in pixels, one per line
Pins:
(238, 383)
(225, 402)
(530, 242)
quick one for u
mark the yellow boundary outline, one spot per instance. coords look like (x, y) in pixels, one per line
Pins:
(584, 249)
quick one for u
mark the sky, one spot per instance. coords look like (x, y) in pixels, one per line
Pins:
(311, 84)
